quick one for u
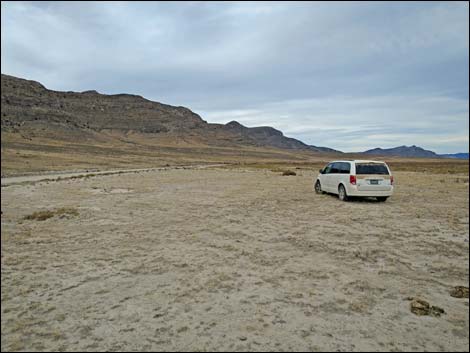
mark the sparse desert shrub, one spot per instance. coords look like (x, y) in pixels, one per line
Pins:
(39, 216)
(66, 211)
(459, 292)
(43, 215)
(421, 307)
(461, 180)
(288, 172)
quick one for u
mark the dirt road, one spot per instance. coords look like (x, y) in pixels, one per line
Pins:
(27, 179)
(242, 260)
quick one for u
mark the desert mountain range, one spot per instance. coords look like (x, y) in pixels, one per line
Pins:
(28, 107)
(42, 128)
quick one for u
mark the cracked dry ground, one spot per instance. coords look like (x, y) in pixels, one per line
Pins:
(232, 260)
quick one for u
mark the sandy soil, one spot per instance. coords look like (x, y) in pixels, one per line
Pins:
(232, 260)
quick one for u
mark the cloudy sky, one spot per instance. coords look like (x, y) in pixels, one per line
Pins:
(350, 76)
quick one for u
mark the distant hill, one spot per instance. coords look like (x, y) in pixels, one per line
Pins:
(30, 109)
(455, 155)
(403, 151)
(413, 152)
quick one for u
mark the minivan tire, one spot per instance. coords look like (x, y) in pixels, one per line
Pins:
(342, 195)
(318, 189)
(382, 198)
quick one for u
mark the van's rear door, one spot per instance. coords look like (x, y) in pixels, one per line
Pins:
(373, 177)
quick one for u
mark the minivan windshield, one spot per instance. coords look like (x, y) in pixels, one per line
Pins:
(371, 168)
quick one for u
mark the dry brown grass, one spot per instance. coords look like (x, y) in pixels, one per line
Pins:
(48, 154)
(434, 166)
(420, 165)
(43, 215)
(20, 156)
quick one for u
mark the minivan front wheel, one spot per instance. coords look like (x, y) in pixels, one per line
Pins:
(318, 189)
(342, 193)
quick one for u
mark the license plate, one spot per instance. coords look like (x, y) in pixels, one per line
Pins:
(374, 182)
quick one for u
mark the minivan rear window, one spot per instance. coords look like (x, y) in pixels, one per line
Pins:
(371, 169)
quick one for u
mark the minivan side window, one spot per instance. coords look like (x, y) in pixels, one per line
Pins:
(335, 168)
(345, 168)
(340, 168)
(328, 168)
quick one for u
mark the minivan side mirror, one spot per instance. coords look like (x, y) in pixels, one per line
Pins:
(321, 171)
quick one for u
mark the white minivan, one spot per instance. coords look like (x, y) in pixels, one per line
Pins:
(356, 178)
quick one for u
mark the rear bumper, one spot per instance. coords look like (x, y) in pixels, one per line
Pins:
(352, 191)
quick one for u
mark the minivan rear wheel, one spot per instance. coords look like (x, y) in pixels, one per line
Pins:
(318, 189)
(343, 196)
(382, 198)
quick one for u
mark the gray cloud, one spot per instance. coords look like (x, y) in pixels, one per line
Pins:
(344, 75)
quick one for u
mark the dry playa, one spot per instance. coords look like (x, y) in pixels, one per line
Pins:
(232, 259)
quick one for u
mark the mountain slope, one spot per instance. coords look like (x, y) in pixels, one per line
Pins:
(32, 110)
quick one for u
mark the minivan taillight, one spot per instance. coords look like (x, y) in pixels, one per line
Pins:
(391, 179)
(352, 179)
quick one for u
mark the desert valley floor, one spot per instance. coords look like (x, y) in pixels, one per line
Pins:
(232, 259)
